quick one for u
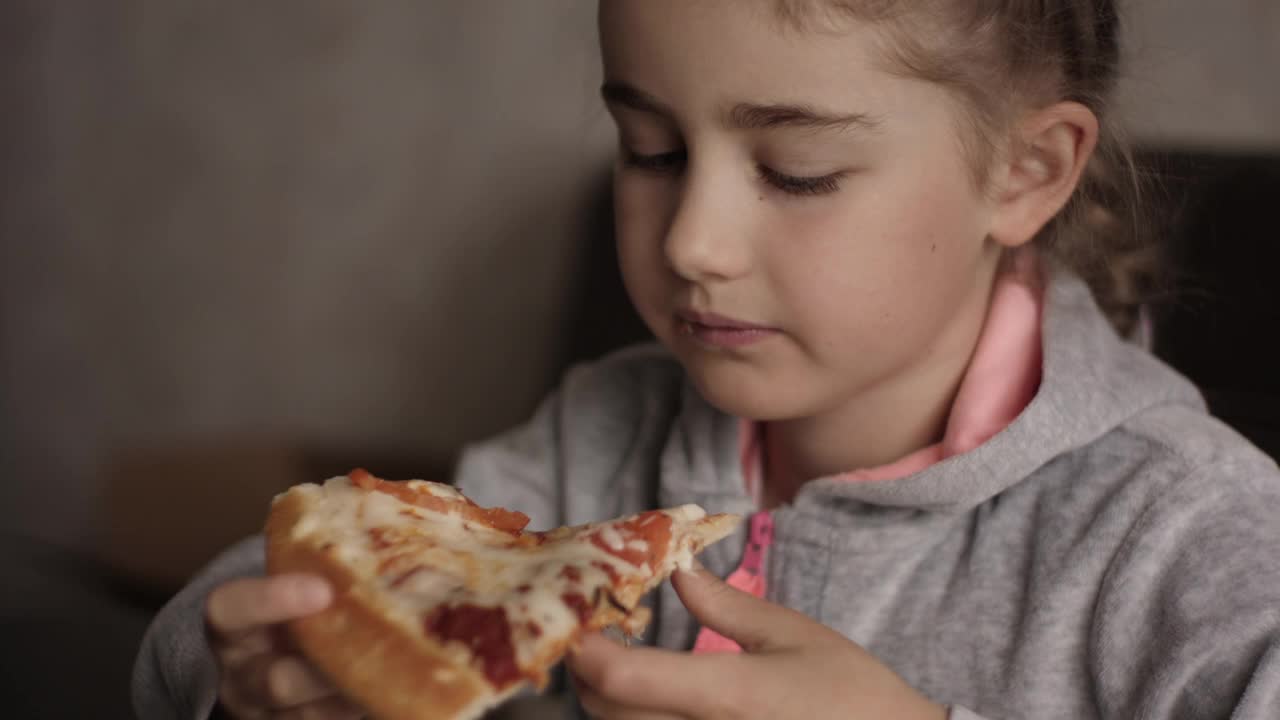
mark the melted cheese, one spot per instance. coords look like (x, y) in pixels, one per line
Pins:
(415, 559)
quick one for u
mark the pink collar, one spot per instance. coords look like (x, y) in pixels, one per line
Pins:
(1000, 382)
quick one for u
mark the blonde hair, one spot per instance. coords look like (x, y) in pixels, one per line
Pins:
(1001, 55)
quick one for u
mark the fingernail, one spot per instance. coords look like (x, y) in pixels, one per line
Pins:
(695, 567)
(314, 592)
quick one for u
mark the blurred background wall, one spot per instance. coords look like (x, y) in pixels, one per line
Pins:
(323, 223)
(245, 244)
(1203, 74)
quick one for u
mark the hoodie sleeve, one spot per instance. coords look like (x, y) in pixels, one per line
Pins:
(590, 451)
(520, 469)
(1188, 621)
(174, 675)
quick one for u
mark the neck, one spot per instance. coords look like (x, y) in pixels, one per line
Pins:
(881, 424)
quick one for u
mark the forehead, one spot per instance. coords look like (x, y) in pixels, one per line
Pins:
(742, 46)
(700, 56)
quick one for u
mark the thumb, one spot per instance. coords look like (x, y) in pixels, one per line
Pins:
(755, 624)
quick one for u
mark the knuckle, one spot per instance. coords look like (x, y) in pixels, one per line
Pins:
(615, 679)
(279, 681)
(215, 607)
(731, 705)
(231, 697)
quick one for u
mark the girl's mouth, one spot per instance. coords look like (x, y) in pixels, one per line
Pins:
(722, 332)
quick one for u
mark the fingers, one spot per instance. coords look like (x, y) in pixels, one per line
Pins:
(329, 709)
(280, 681)
(658, 682)
(273, 685)
(260, 676)
(250, 603)
(755, 624)
(600, 708)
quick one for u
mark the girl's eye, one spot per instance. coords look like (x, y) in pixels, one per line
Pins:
(792, 185)
(662, 162)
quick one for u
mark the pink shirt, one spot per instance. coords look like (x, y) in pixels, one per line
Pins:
(999, 383)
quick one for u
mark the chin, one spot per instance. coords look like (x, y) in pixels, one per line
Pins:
(744, 391)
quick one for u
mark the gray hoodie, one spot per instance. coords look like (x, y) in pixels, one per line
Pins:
(1113, 553)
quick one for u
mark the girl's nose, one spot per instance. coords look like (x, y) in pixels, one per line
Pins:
(706, 240)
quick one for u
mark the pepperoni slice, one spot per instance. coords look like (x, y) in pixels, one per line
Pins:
(577, 602)
(653, 527)
(485, 631)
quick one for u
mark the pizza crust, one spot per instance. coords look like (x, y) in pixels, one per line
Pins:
(394, 676)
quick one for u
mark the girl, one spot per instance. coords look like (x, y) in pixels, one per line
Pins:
(872, 240)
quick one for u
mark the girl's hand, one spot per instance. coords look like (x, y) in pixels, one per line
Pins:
(262, 675)
(792, 667)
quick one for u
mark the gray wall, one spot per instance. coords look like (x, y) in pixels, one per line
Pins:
(326, 222)
(1204, 73)
(348, 223)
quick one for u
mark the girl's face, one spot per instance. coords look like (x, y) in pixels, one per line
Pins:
(796, 223)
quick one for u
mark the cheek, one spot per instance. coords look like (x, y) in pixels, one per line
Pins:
(640, 212)
(886, 259)
(643, 204)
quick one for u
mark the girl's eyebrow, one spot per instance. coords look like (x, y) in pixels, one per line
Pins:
(618, 93)
(750, 116)
(747, 116)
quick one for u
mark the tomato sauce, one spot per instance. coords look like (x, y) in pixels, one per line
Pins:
(381, 538)
(485, 631)
(653, 527)
(578, 603)
(609, 570)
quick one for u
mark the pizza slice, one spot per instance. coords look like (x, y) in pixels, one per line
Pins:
(442, 608)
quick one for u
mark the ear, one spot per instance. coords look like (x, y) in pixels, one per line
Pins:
(1050, 150)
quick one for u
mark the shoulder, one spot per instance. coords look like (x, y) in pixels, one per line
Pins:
(1157, 435)
(1163, 481)
(641, 362)
(1189, 584)
(1188, 494)
(1186, 450)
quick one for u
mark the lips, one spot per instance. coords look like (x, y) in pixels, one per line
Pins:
(719, 331)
